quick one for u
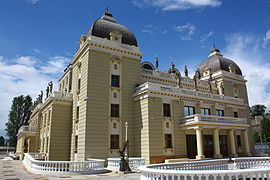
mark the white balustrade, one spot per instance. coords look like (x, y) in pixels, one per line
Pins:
(244, 168)
(92, 166)
(197, 118)
(58, 94)
(27, 129)
(186, 92)
(134, 163)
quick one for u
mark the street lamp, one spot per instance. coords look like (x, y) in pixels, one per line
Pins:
(126, 125)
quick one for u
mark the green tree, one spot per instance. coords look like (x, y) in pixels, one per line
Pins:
(265, 125)
(19, 115)
(257, 110)
(2, 141)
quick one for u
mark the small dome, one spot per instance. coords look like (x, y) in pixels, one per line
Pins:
(147, 65)
(217, 62)
(104, 26)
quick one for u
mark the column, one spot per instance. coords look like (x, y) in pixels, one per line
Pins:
(246, 142)
(199, 137)
(216, 143)
(232, 143)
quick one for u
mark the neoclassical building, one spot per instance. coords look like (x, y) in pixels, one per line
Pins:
(169, 114)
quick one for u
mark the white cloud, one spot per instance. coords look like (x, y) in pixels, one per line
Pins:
(32, 1)
(246, 52)
(24, 76)
(169, 5)
(55, 64)
(205, 37)
(26, 60)
(37, 51)
(147, 31)
(187, 29)
(266, 39)
(152, 30)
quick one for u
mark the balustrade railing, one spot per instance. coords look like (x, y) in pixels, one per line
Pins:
(134, 163)
(187, 92)
(27, 129)
(212, 119)
(92, 166)
(220, 169)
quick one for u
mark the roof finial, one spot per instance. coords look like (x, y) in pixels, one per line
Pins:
(107, 9)
(214, 45)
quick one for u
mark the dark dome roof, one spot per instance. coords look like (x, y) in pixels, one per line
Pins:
(104, 26)
(217, 62)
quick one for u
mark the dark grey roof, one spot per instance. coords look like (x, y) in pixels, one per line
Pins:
(104, 26)
(217, 62)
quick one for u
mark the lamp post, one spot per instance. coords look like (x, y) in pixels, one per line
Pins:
(126, 125)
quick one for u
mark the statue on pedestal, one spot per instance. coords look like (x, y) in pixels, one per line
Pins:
(157, 63)
(51, 86)
(186, 71)
(195, 82)
(178, 74)
(41, 96)
(221, 88)
(47, 91)
(198, 74)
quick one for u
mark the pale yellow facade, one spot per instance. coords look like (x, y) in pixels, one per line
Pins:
(107, 85)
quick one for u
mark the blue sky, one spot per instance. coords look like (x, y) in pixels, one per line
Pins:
(39, 37)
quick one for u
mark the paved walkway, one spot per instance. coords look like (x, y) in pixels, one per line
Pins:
(15, 170)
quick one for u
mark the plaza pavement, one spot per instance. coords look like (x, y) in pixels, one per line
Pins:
(15, 170)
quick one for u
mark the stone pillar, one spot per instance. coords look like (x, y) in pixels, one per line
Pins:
(199, 137)
(216, 143)
(246, 142)
(232, 143)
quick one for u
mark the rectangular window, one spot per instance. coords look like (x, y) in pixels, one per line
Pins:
(238, 139)
(49, 118)
(115, 81)
(76, 144)
(219, 112)
(205, 111)
(168, 140)
(47, 146)
(189, 110)
(45, 118)
(235, 114)
(166, 110)
(114, 110)
(79, 85)
(114, 141)
(77, 113)
(44, 144)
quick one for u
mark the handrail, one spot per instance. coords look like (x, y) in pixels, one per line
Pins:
(27, 129)
(92, 166)
(240, 168)
(134, 163)
(212, 118)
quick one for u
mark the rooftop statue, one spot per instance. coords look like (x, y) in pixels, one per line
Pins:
(157, 62)
(186, 71)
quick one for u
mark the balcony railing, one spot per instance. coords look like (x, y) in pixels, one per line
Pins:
(58, 94)
(27, 129)
(204, 119)
(187, 92)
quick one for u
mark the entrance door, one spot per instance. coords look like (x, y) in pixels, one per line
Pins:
(191, 146)
(208, 146)
(223, 145)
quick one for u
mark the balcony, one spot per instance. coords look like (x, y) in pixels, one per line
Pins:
(210, 120)
(28, 130)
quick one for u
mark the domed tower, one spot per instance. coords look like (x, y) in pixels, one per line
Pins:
(106, 69)
(225, 73)
(228, 79)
